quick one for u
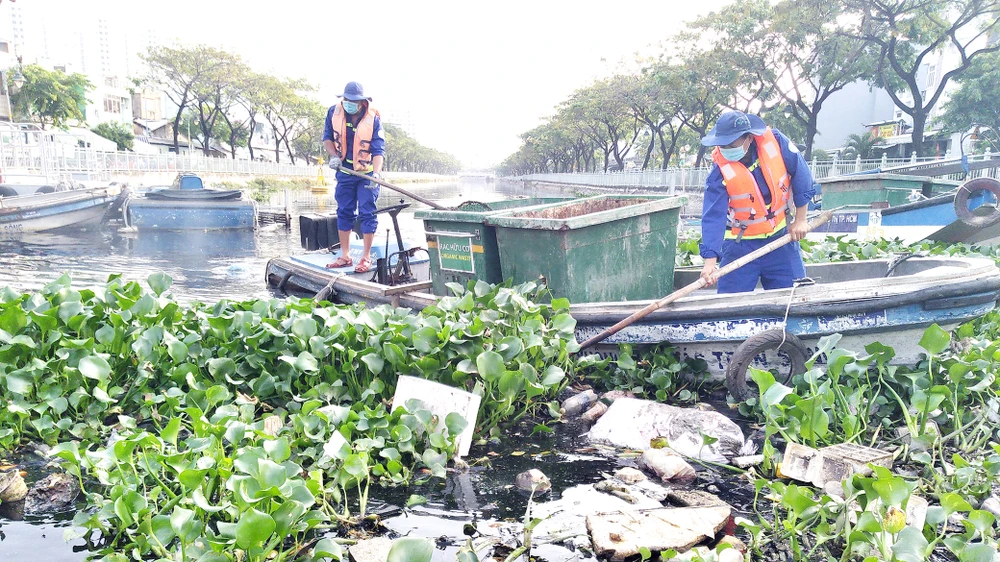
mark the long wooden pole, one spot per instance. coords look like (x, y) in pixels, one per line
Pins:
(384, 183)
(688, 289)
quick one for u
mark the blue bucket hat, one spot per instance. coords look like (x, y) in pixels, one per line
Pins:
(354, 91)
(733, 125)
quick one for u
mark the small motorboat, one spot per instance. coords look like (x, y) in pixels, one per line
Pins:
(53, 206)
(189, 205)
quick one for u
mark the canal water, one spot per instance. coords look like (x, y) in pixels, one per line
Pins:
(209, 266)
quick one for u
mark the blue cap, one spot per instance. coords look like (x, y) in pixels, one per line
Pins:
(354, 91)
(733, 125)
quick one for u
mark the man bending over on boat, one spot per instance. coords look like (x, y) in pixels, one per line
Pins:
(354, 139)
(758, 180)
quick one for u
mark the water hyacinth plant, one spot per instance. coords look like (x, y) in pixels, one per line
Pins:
(247, 430)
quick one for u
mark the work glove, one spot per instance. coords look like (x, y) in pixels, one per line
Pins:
(371, 184)
(334, 162)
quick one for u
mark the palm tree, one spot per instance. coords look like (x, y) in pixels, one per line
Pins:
(862, 145)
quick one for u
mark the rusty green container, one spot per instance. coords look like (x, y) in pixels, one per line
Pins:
(462, 247)
(607, 248)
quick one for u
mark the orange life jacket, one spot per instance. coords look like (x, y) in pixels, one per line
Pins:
(363, 133)
(748, 215)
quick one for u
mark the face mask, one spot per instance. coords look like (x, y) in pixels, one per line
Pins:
(351, 107)
(734, 154)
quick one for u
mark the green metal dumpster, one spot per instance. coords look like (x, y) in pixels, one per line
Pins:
(462, 247)
(606, 248)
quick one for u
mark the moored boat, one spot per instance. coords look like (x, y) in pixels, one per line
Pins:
(911, 208)
(52, 210)
(189, 205)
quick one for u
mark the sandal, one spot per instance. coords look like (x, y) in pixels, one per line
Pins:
(364, 265)
(342, 261)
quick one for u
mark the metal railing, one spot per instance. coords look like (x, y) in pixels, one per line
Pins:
(29, 151)
(693, 179)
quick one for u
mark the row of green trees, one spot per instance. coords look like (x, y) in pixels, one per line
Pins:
(221, 97)
(218, 97)
(781, 60)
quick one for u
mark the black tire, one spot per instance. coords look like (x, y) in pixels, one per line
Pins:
(736, 372)
(962, 202)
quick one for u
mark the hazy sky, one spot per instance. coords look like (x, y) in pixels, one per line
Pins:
(470, 75)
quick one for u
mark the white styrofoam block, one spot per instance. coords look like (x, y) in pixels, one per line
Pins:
(441, 400)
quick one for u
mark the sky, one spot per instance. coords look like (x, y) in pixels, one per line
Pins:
(469, 76)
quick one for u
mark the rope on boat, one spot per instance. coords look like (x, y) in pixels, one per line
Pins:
(327, 291)
(806, 281)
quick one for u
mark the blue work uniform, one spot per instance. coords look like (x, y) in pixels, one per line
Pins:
(354, 200)
(781, 267)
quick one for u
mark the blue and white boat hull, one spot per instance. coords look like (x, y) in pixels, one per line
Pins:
(930, 219)
(51, 211)
(853, 299)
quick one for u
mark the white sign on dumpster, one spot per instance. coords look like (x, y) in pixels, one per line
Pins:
(441, 400)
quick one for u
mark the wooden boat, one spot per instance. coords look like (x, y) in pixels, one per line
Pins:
(892, 302)
(56, 209)
(189, 205)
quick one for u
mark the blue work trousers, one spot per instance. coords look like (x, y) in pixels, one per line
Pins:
(354, 200)
(776, 270)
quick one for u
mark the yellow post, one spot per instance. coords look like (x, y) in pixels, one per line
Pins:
(319, 177)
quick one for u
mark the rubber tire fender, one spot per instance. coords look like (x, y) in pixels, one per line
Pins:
(775, 338)
(962, 202)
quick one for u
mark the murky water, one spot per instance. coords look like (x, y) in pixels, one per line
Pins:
(205, 266)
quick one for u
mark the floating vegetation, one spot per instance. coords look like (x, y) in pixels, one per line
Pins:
(203, 431)
(259, 430)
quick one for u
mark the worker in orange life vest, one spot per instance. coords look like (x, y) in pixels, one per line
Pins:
(758, 180)
(354, 139)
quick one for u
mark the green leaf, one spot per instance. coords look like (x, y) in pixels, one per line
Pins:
(978, 553)
(490, 365)
(552, 376)
(910, 545)
(253, 529)
(797, 498)
(278, 449)
(415, 499)
(221, 367)
(306, 362)
(425, 339)
(411, 549)
(327, 548)
(177, 350)
(455, 423)
(935, 340)
(159, 282)
(270, 474)
(169, 432)
(952, 503)
(374, 362)
(184, 524)
(95, 367)
(304, 327)
(892, 491)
